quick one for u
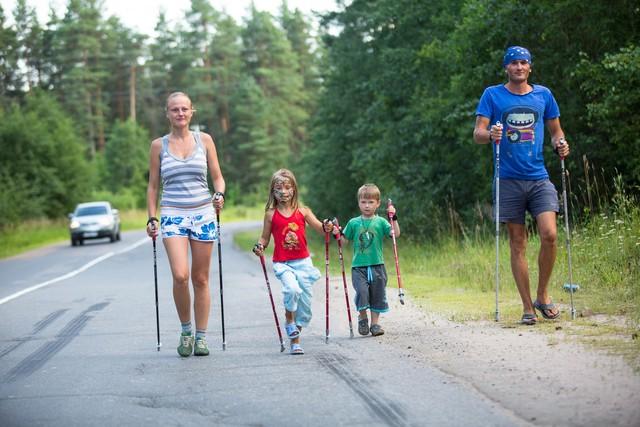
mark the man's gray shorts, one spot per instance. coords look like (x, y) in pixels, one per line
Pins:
(518, 196)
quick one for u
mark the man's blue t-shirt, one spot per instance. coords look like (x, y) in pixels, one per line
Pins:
(522, 118)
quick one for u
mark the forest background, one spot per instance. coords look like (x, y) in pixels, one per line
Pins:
(379, 91)
(382, 91)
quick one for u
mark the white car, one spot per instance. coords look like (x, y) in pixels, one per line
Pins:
(94, 220)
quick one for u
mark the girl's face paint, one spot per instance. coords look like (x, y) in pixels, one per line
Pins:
(283, 191)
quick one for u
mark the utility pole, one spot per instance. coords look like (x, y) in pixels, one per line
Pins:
(132, 93)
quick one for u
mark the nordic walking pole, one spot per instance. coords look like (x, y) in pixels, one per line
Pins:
(344, 277)
(224, 341)
(395, 254)
(155, 279)
(567, 230)
(326, 291)
(273, 306)
(497, 209)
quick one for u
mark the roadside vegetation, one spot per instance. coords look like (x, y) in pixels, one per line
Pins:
(455, 277)
(37, 233)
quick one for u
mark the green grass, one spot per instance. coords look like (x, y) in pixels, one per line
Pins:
(37, 233)
(32, 234)
(456, 279)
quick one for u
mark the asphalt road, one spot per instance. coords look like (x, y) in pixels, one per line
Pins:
(78, 348)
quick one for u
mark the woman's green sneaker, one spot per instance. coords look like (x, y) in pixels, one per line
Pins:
(201, 347)
(186, 345)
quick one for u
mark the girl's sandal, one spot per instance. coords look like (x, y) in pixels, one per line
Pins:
(296, 349)
(292, 330)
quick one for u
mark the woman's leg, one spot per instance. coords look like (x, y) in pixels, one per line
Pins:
(177, 248)
(200, 264)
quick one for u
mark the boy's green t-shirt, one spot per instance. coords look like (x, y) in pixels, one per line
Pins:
(367, 236)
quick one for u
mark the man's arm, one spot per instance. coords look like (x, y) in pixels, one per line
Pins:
(481, 133)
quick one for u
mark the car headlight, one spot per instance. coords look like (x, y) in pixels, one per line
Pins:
(74, 224)
(106, 222)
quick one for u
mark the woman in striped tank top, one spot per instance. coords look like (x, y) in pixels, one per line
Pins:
(181, 160)
(287, 220)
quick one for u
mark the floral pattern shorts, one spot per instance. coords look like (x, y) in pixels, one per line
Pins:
(196, 224)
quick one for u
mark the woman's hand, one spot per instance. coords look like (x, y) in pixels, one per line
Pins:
(218, 200)
(152, 227)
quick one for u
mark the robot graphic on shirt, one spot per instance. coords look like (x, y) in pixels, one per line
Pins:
(520, 124)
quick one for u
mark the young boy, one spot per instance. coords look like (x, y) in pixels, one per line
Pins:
(368, 275)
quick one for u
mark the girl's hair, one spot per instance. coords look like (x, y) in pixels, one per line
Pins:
(281, 175)
(175, 94)
(369, 191)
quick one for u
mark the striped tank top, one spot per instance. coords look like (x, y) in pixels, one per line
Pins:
(184, 181)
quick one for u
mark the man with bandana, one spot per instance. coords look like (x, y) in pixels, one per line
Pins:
(514, 114)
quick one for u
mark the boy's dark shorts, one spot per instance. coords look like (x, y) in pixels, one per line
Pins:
(370, 283)
(519, 196)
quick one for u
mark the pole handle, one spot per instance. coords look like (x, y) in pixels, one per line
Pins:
(498, 124)
(562, 141)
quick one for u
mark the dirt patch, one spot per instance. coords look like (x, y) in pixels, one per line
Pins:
(545, 378)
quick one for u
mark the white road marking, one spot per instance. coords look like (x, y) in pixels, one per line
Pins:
(74, 272)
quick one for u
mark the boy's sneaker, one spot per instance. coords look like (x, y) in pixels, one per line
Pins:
(186, 345)
(376, 330)
(201, 347)
(363, 326)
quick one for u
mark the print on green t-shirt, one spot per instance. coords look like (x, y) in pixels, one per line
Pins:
(367, 236)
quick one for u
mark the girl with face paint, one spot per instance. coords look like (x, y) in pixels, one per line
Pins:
(286, 220)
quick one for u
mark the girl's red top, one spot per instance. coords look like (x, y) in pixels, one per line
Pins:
(289, 236)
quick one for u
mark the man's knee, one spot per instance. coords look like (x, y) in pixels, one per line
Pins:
(518, 243)
(548, 237)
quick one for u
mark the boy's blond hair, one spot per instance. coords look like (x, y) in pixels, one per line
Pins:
(369, 191)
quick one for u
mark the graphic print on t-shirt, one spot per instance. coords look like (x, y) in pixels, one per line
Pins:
(365, 239)
(520, 122)
(291, 241)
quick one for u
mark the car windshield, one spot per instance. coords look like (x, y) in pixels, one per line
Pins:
(92, 210)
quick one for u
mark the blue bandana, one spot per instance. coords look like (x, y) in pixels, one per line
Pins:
(514, 53)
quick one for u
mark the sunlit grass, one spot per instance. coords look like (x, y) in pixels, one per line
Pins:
(36, 233)
(457, 278)
(32, 234)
